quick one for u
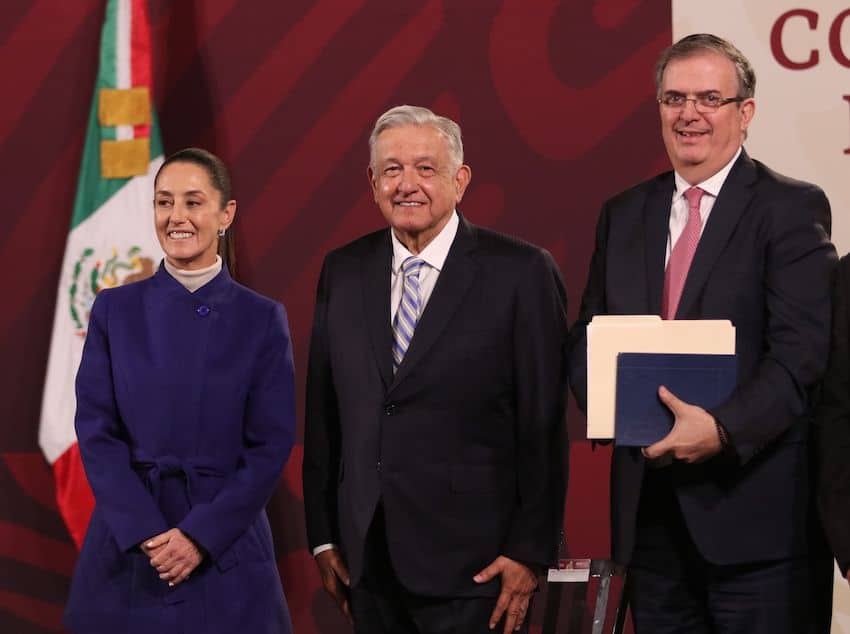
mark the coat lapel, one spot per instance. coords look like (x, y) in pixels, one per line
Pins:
(458, 272)
(733, 199)
(376, 271)
(656, 225)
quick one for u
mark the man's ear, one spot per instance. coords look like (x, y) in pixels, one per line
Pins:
(373, 182)
(748, 111)
(462, 177)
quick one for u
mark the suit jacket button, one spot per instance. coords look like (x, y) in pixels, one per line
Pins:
(390, 410)
(203, 310)
(378, 466)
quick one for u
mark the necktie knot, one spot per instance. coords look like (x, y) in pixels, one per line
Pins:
(694, 195)
(412, 266)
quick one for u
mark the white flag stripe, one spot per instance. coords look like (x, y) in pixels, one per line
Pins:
(123, 70)
(126, 219)
(122, 45)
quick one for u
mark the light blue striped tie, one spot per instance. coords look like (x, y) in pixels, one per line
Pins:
(408, 309)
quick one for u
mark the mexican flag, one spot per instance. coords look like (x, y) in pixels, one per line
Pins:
(111, 240)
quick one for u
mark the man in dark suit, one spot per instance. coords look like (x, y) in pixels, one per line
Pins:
(435, 454)
(833, 418)
(712, 520)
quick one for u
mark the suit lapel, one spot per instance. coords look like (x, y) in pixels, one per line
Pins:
(455, 278)
(733, 199)
(656, 226)
(376, 271)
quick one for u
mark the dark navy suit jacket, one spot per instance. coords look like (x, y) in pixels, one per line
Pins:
(834, 425)
(764, 262)
(464, 446)
(185, 417)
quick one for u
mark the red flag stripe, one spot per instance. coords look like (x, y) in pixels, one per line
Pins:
(140, 54)
(73, 493)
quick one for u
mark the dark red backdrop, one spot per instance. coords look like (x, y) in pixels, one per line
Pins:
(555, 99)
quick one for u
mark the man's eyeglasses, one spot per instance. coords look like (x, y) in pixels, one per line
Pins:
(704, 102)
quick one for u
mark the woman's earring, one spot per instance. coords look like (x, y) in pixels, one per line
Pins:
(221, 233)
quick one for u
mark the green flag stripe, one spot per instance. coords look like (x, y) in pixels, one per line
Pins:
(156, 140)
(107, 74)
(92, 190)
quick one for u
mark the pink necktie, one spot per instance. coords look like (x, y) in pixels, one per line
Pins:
(681, 256)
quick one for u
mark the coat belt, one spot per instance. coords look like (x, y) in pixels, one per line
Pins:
(155, 469)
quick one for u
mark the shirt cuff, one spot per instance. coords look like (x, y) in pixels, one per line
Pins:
(322, 548)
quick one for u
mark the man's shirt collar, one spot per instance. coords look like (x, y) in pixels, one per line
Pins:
(435, 253)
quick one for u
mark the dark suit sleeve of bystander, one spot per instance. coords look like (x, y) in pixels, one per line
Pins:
(833, 426)
(322, 436)
(592, 303)
(540, 332)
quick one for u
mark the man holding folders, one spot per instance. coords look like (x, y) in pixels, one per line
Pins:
(712, 520)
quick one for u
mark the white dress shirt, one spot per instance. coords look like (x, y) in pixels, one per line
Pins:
(434, 255)
(679, 206)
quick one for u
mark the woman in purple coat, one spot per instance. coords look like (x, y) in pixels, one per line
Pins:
(185, 418)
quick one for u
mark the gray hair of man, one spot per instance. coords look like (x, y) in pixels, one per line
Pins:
(701, 42)
(417, 115)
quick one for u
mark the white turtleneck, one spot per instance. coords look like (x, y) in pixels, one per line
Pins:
(193, 280)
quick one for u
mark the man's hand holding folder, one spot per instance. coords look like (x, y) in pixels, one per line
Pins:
(695, 436)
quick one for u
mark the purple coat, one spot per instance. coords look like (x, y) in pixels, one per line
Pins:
(185, 417)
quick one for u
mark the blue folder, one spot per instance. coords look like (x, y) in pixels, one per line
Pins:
(699, 379)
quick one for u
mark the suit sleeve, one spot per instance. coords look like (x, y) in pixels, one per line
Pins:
(593, 302)
(540, 331)
(799, 260)
(128, 508)
(833, 427)
(322, 436)
(268, 434)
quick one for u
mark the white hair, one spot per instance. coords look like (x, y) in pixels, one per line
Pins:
(417, 115)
